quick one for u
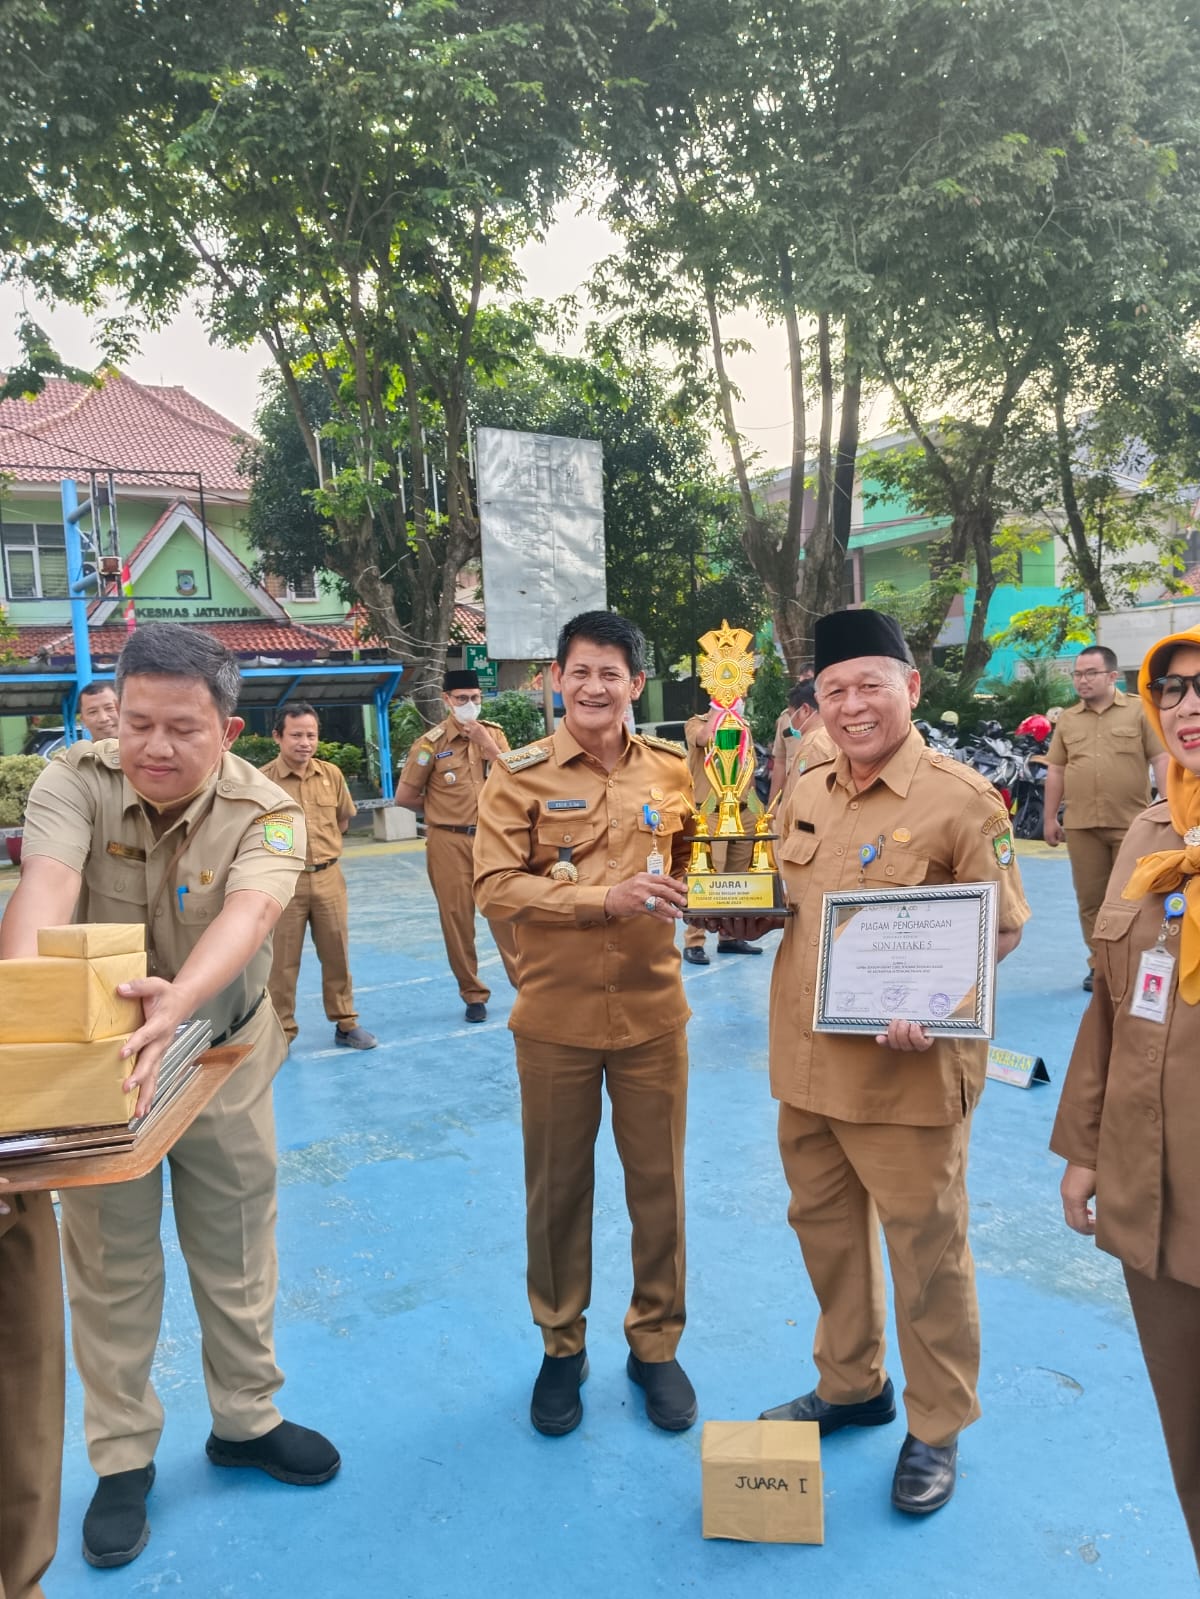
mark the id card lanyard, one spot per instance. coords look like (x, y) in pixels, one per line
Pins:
(1152, 990)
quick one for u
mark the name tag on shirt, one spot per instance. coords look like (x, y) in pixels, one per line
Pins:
(1153, 987)
(566, 805)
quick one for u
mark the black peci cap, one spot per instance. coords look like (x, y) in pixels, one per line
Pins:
(848, 635)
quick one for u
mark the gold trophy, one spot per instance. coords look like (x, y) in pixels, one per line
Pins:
(726, 673)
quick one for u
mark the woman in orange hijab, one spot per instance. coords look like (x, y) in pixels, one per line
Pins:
(1128, 1123)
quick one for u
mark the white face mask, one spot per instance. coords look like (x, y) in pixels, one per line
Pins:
(466, 713)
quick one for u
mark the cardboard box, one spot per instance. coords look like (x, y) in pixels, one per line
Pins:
(87, 940)
(761, 1481)
(52, 1001)
(64, 1085)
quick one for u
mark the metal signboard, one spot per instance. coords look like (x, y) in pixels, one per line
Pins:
(541, 518)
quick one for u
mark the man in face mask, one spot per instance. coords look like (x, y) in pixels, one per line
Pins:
(443, 776)
(166, 828)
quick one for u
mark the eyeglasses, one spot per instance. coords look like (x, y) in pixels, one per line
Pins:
(1170, 690)
(1095, 671)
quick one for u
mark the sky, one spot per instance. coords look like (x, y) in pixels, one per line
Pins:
(228, 380)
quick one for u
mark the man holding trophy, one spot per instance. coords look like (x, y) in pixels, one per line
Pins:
(878, 1069)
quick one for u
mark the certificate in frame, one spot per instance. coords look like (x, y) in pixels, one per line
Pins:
(926, 955)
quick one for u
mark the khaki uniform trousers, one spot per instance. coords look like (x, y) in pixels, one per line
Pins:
(847, 1179)
(727, 857)
(560, 1117)
(32, 1377)
(1167, 1314)
(223, 1193)
(1093, 854)
(319, 902)
(449, 860)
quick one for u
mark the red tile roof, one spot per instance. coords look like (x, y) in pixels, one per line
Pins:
(161, 431)
(295, 641)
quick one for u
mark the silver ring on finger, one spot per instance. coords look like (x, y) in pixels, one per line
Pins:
(651, 903)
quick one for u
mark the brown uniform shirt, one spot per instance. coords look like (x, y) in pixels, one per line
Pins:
(695, 733)
(241, 832)
(584, 979)
(1130, 1105)
(941, 823)
(813, 749)
(1106, 756)
(325, 800)
(450, 771)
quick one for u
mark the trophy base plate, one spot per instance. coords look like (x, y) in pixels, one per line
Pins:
(733, 894)
(726, 915)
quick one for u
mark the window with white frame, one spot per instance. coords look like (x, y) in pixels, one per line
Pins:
(304, 588)
(35, 561)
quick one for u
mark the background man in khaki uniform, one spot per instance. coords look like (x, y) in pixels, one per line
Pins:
(32, 1381)
(166, 828)
(873, 1131)
(732, 856)
(98, 710)
(444, 777)
(1099, 758)
(577, 835)
(806, 744)
(320, 901)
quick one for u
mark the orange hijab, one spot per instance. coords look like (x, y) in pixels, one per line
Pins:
(1168, 868)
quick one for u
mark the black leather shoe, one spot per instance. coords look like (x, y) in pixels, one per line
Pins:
(875, 1412)
(695, 956)
(288, 1453)
(736, 946)
(476, 1012)
(670, 1397)
(925, 1476)
(556, 1407)
(1087, 983)
(116, 1528)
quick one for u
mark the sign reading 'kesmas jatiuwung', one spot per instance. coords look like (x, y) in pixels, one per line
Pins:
(189, 613)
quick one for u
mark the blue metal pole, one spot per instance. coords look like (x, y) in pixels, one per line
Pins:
(77, 597)
(383, 696)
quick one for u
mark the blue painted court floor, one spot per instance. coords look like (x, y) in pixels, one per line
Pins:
(405, 1333)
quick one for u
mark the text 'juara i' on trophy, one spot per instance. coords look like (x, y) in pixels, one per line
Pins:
(732, 868)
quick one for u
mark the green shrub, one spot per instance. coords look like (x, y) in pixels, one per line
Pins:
(18, 774)
(257, 748)
(407, 724)
(519, 716)
(768, 697)
(348, 758)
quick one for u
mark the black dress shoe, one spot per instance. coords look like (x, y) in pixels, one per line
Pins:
(1087, 983)
(736, 946)
(556, 1407)
(116, 1528)
(476, 1011)
(288, 1453)
(695, 956)
(829, 1418)
(670, 1397)
(925, 1476)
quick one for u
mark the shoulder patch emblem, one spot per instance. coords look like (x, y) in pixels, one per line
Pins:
(279, 835)
(527, 755)
(994, 826)
(1003, 846)
(668, 744)
(277, 816)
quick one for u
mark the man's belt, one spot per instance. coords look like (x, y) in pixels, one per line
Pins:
(321, 867)
(449, 827)
(237, 1026)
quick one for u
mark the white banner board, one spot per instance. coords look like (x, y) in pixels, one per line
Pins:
(541, 522)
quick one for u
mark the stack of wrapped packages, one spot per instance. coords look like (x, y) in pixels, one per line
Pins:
(63, 1026)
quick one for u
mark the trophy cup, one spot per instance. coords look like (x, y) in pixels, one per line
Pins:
(726, 672)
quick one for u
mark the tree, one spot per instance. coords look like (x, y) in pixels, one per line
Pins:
(345, 179)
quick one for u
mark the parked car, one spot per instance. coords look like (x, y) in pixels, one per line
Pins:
(44, 741)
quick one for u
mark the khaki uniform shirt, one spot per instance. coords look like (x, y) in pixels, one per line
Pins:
(325, 800)
(1130, 1105)
(695, 733)
(1106, 756)
(584, 979)
(783, 735)
(941, 823)
(241, 832)
(450, 771)
(814, 748)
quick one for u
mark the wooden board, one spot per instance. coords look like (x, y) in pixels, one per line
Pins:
(88, 1171)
